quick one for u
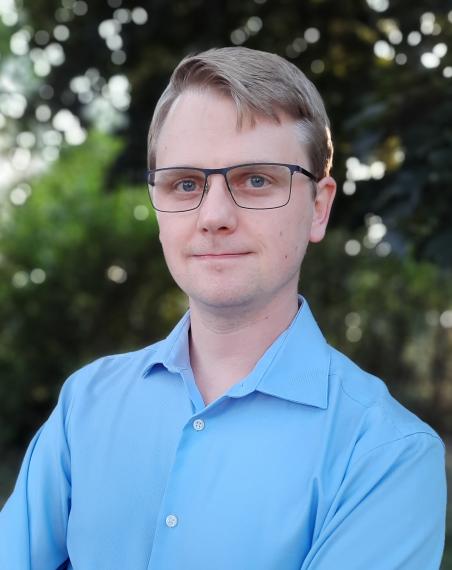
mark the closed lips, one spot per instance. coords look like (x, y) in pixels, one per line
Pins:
(226, 253)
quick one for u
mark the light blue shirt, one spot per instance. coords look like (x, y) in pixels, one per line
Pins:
(308, 463)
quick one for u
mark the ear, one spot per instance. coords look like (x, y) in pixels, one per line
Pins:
(326, 191)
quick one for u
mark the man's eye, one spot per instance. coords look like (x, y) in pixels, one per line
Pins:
(187, 185)
(257, 181)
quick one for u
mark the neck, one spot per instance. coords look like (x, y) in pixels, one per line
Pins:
(225, 345)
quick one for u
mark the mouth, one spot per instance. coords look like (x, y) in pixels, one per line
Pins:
(221, 255)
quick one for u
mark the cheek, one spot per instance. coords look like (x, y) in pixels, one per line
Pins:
(167, 243)
(168, 237)
(289, 246)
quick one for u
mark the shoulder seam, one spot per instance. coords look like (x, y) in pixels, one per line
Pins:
(387, 443)
(375, 402)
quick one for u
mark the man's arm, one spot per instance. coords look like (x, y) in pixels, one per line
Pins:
(389, 513)
(33, 522)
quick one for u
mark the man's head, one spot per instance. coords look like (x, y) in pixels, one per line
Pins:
(260, 84)
(228, 107)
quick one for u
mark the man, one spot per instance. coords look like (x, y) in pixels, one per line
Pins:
(242, 441)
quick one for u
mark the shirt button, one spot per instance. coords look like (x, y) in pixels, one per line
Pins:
(198, 425)
(171, 520)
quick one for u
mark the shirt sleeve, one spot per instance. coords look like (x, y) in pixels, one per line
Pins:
(33, 522)
(389, 511)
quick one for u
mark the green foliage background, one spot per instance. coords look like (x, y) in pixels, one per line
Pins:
(88, 225)
(76, 231)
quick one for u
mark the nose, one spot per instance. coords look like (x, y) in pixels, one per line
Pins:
(217, 212)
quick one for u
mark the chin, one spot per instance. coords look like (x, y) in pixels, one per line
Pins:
(222, 298)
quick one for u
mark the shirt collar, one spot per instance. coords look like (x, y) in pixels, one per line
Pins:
(172, 352)
(299, 371)
(295, 367)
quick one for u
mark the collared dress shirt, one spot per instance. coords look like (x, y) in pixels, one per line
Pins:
(308, 463)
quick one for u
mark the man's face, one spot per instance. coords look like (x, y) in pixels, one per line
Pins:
(221, 255)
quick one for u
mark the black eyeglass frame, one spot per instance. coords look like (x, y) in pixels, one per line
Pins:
(208, 171)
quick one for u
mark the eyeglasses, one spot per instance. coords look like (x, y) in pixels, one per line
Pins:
(256, 186)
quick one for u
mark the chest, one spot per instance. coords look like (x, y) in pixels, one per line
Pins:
(243, 484)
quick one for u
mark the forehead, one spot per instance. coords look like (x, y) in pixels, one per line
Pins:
(202, 129)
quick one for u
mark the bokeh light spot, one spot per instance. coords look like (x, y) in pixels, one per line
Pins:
(80, 84)
(55, 54)
(353, 319)
(61, 33)
(378, 5)
(317, 66)
(312, 35)
(383, 50)
(52, 138)
(19, 279)
(13, 105)
(119, 57)
(414, 38)
(427, 23)
(139, 16)
(8, 13)
(20, 158)
(349, 187)
(354, 334)
(395, 36)
(123, 16)
(238, 37)
(445, 319)
(108, 28)
(254, 24)
(376, 232)
(114, 43)
(440, 49)
(117, 274)
(75, 136)
(37, 276)
(377, 170)
(43, 113)
(42, 37)
(383, 249)
(26, 139)
(352, 247)
(19, 42)
(18, 196)
(80, 8)
(141, 212)
(50, 153)
(46, 91)
(430, 60)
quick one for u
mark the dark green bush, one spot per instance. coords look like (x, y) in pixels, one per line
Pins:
(106, 286)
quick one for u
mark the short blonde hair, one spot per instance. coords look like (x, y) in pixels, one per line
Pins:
(260, 84)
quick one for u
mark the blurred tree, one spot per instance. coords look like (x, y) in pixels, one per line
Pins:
(80, 272)
(389, 314)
